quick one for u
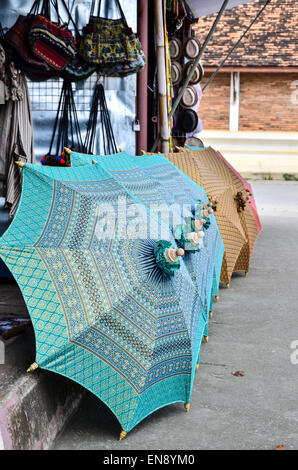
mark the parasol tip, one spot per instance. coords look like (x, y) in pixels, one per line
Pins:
(228, 285)
(187, 407)
(67, 150)
(122, 435)
(197, 367)
(217, 298)
(206, 338)
(20, 164)
(33, 367)
(210, 315)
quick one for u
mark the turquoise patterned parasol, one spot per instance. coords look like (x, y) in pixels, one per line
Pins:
(104, 314)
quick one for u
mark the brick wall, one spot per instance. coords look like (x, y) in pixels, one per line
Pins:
(265, 103)
(215, 104)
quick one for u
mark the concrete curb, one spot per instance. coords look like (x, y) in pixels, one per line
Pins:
(35, 410)
(33, 407)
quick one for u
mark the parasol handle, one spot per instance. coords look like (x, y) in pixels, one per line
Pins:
(173, 255)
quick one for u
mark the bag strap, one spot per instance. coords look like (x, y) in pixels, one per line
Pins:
(43, 7)
(77, 130)
(46, 9)
(56, 123)
(70, 17)
(107, 135)
(91, 127)
(34, 8)
(109, 142)
(66, 129)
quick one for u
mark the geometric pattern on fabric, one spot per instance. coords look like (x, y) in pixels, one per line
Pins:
(156, 182)
(239, 182)
(231, 231)
(102, 312)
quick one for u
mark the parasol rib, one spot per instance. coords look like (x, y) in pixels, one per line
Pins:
(235, 46)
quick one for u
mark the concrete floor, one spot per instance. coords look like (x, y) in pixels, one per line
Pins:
(254, 325)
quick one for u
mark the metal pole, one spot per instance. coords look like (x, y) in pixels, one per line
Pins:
(197, 60)
(161, 72)
(235, 46)
(142, 80)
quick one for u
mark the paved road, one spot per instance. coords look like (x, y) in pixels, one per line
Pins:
(254, 325)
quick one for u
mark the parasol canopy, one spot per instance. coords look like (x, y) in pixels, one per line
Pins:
(167, 191)
(104, 313)
(222, 197)
(244, 200)
(244, 186)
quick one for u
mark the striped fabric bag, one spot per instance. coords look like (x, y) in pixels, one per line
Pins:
(16, 143)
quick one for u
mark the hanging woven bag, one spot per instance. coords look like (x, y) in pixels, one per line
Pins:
(17, 38)
(111, 45)
(78, 69)
(49, 41)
